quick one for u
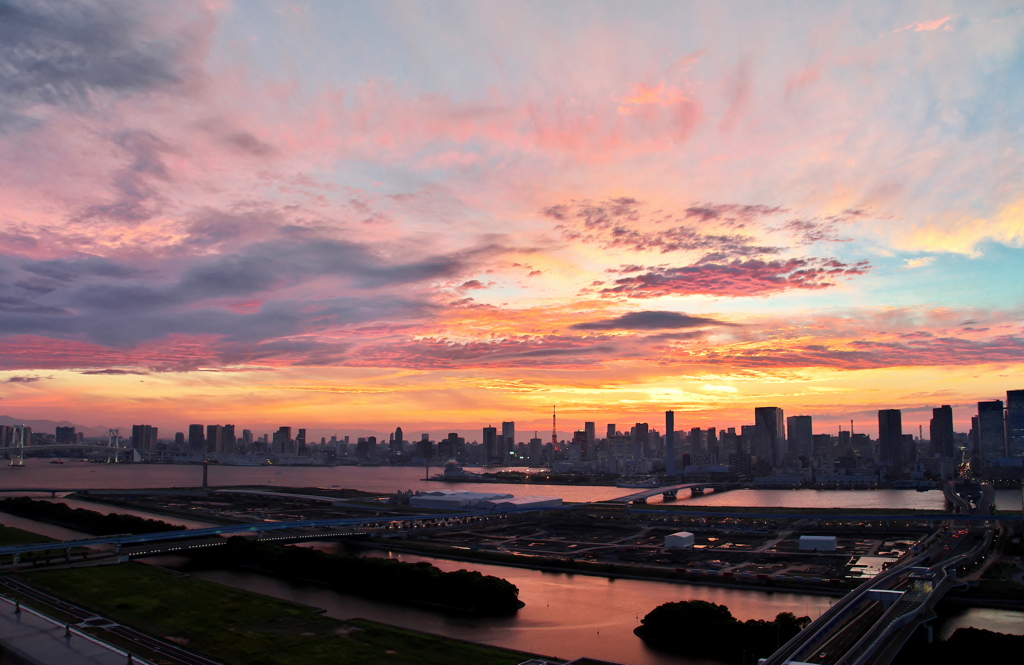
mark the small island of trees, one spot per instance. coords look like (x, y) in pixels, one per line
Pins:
(697, 628)
(80, 519)
(420, 583)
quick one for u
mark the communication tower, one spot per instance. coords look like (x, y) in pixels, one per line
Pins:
(554, 428)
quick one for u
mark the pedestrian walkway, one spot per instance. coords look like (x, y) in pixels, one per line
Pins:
(32, 637)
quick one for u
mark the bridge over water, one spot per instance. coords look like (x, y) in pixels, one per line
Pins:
(670, 491)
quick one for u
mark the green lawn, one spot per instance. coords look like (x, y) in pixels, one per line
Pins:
(11, 536)
(237, 626)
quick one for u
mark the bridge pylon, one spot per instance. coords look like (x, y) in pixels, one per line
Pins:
(18, 460)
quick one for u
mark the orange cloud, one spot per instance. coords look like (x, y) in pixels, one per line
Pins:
(927, 26)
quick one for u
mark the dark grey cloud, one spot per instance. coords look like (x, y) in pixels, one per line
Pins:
(23, 379)
(731, 212)
(112, 372)
(650, 320)
(116, 305)
(136, 193)
(70, 270)
(247, 143)
(623, 223)
(57, 52)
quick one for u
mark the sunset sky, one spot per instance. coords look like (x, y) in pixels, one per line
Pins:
(442, 215)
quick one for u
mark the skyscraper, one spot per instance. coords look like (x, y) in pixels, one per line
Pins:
(144, 437)
(940, 431)
(640, 435)
(300, 442)
(508, 435)
(490, 442)
(670, 442)
(610, 431)
(1015, 423)
(425, 447)
(228, 439)
(800, 436)
(536, 445)
(890, 438)
(591, 451)
(991, 430)
(67, 435)
(696, 440)
(395, 445)
(769, 434)
(196, 441)
(213, 444)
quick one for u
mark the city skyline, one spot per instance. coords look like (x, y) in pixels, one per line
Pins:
(327, 214)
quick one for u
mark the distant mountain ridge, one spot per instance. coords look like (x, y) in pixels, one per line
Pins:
(50, 426)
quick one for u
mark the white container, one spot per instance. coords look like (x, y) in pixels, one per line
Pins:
(819, 543)
(680, 539)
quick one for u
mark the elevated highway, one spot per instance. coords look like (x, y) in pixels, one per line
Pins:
(870, 624)
(325, 529)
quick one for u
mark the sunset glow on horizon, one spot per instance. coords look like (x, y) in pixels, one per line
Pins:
(440, 216)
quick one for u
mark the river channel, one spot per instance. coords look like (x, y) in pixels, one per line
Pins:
(39, 473)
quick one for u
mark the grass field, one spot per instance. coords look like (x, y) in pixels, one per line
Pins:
(239, 627)
(11, 536)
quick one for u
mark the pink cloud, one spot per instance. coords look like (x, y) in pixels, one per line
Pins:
(927, 26)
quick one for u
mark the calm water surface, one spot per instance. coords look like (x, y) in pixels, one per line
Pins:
(40, 473)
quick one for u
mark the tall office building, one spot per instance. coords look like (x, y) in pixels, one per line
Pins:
(696, 439)
(711, 441)
(890, 438)
(228, 440)
(730, 443)
(536, 447)
(246, 444)
(282, 441)
(610, 431)
(940, 431)
(800, 436)
(670, 442)
(1015, 423)
(395, 445)
(144, 437)
(179, 441)
(300, 442)
(213, 443)
(639, 440)
(425, 447)
(508, 436)
(196, 441)
(591, 451)
(66, 435)
(991, 430)
(490, 443)
(770, 434)
(578, 446)
(581, 437)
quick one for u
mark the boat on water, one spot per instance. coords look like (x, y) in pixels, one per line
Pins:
(454, 473)
(56, 461)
